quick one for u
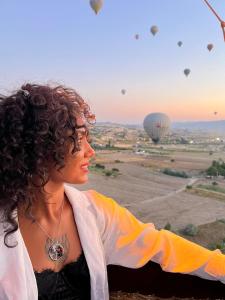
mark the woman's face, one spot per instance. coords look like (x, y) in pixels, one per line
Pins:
(76, 165)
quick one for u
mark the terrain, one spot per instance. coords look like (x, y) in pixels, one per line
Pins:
(129, 168)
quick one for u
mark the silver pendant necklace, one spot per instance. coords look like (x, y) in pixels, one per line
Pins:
(55, 248)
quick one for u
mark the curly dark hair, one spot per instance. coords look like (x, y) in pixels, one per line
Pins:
(37, 125)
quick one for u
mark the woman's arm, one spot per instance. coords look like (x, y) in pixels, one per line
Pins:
(130, 243)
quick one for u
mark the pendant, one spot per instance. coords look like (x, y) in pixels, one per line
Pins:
(56, 251)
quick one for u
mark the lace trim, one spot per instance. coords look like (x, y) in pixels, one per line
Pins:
(44, 271)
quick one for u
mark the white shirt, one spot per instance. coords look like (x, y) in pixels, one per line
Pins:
(109, 234)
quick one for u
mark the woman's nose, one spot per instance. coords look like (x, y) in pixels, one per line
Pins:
(90, 151)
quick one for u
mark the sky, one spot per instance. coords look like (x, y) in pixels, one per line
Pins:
(65, 42)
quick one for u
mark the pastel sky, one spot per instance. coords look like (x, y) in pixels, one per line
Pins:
(65, 42)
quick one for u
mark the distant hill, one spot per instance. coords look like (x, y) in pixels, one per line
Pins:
(218, 126)
(205, 126)
(113, 124)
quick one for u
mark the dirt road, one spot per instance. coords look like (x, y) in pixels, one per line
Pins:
(191, 181)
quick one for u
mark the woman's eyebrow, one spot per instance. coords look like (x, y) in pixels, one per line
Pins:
(81, 126)
(83, 129)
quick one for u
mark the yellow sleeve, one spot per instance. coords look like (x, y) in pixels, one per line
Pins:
(130, 243)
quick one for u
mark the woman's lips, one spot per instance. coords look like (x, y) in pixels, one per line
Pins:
(84, 167)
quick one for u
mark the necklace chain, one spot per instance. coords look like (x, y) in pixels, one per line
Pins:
(55, 249)
(57, 231)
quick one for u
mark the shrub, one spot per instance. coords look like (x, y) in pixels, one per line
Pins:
(108, 173)
(190, 230)
(222, 220)
(170, 172)
(167, 226)
(117, 161)
(115, 170)
(220, 245)
(188, 187)
(99, 166)
(214, 183)
(172, 160)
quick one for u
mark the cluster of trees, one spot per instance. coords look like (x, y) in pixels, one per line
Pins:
(113, 172)
(217, 168)
(108, 146)
(220, 245)
(189, 229)
(182, 141)
(170, 172)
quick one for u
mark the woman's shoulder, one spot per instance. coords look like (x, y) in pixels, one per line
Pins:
(91, 197)
(101, 201)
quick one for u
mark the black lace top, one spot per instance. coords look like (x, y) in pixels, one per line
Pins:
(72, 282)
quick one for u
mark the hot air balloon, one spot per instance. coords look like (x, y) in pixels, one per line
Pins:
(123, 91)
(136, 36)
(215, 112)
(154, 29)
(179, 43)
(209, 47)
(156, 126)
(187, 71)
(96, 5)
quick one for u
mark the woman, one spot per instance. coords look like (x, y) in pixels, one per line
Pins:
(55, 241)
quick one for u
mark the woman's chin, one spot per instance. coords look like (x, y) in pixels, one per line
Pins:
(82, 180)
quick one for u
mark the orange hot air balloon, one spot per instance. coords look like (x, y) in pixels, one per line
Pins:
(96, 5)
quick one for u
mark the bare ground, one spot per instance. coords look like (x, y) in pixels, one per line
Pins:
(132, 296)
(208, 234)
(152, 196)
